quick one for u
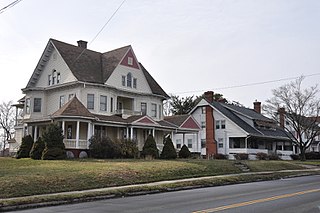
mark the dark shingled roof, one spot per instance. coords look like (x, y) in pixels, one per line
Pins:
(155, 87)
(95, 67)
(229, 111)
(177, 120)
(73, 108)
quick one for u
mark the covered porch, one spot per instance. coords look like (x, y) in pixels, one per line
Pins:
(253, 145)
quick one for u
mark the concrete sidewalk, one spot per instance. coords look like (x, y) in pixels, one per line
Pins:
(36, 201)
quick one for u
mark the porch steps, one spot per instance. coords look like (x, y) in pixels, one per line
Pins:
(242, 166)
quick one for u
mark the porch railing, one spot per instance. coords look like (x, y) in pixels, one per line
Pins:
(72, 144)
(248, 151)
(128, 112)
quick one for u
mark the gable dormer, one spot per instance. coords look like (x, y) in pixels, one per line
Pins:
(130, 60)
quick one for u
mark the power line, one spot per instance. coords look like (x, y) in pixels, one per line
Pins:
(94, 38)
(9, 6)
(249, 84)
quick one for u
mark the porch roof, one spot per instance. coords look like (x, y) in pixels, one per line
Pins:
(73, 108)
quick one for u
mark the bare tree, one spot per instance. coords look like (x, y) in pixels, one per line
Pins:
(301, 107)
(7, 119)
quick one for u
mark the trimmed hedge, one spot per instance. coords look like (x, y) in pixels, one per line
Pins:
(168, 151)
(104, 148)
(150, 149)
(241, 156)
(54, 146)
(262, 156)
(219, 156)
(37, 149)
(184, 152)
(25, 147)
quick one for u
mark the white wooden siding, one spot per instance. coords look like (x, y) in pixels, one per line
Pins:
(116, 77)
(58, 64)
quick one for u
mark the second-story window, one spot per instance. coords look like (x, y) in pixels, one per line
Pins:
(123, 80)
(62, 101)
(111, 104)
(37, 105)
(135, 83)
(130, 61)
(144, 108)
(154, 110)
(129, 80)
(160, 111)
(28, 106)
(90, 101)
(103, 103)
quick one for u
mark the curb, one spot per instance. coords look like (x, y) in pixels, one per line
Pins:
(296, 173)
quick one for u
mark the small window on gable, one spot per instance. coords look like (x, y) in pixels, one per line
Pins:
(54, 76)
(223, 124)
(217, 124)
(58, 77)
(203, 110)
(49, 80)
(130, 60)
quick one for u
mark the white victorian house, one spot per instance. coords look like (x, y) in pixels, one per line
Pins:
(91, 93)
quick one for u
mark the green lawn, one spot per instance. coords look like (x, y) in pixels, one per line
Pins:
(21, 177)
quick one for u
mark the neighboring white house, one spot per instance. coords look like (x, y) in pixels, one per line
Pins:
(234, 129)
(89, 93)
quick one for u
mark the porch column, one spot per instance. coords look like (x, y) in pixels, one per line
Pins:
(89, 131)
(183, 138)
(198, 142)
(35, 136)
(127, 135)
(131, 135)
(63, 127)
(77, 134)
(93, 127)
(89, 134)
(153, 132)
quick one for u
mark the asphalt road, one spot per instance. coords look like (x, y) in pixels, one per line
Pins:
(300, 194)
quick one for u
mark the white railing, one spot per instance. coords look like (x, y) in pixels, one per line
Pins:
(127, 112)
(72, 144)
(284, 154)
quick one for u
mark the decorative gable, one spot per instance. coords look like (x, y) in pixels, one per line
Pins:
(145, 120)
(130, 60)
(190, 123)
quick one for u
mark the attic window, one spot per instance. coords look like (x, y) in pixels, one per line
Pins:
(130, 61)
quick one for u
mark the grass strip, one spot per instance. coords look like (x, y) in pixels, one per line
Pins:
(50, 200)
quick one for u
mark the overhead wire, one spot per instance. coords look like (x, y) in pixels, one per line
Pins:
(94, 38)
(2, 10)
(248, 84)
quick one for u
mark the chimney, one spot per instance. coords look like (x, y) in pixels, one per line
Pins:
(82, 44)
(257, 106)
(282, 112)
(208, 96)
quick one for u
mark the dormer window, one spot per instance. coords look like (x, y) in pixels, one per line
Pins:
(130, 61)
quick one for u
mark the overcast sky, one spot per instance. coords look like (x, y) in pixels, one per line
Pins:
(188, 46)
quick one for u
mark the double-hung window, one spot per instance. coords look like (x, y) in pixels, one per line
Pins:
(90, 101)
(103, 103)
(37, 105)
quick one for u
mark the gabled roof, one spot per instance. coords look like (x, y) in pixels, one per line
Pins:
(232, 112)
(250, 113)
(90, 66)
(73, 108)
(182, 121)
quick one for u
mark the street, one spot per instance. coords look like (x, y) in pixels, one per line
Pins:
(300, 194)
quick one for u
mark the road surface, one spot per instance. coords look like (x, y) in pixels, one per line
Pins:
(300, 194)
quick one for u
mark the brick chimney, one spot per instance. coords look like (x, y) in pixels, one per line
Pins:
(208, 96)
(282, 112)
(211, 146)
(82, 44)
(257, 106)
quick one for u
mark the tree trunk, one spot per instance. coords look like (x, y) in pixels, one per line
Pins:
(302, 154)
